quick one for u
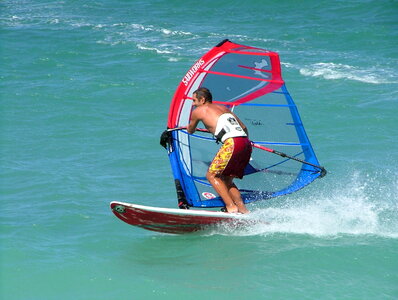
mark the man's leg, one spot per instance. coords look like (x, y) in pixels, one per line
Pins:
(223, 190)
(235, 195)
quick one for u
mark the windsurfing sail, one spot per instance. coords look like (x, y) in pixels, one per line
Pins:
(248, 81)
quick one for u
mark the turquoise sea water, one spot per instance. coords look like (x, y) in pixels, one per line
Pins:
(85, 91)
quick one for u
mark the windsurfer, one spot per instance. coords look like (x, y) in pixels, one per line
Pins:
(234, 154)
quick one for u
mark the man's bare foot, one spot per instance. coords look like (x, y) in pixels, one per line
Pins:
(242, 208)
(232, 209)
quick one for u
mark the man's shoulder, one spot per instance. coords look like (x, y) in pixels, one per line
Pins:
(218, 107)
(198, 112)
(222, 108)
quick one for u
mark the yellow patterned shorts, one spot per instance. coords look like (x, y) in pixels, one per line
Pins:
(222, 158)
(232, 157)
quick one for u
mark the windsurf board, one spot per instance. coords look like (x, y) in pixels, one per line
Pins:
(176, 221)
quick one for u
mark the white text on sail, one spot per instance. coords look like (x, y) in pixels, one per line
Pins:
(192, 71)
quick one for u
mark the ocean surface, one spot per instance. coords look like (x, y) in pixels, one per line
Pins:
(85, 91)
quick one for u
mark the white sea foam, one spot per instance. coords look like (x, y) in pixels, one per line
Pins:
(159, 51)
(334, 71)
(359, 207)
(174, 32)
(165, 31)
(145, 37)
(324, 217)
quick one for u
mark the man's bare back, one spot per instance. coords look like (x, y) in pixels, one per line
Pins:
(208, 113)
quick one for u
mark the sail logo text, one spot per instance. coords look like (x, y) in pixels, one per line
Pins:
(192, 71)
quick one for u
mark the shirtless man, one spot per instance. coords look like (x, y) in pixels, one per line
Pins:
(233, 155)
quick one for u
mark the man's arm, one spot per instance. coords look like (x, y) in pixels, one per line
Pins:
(193, 123)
